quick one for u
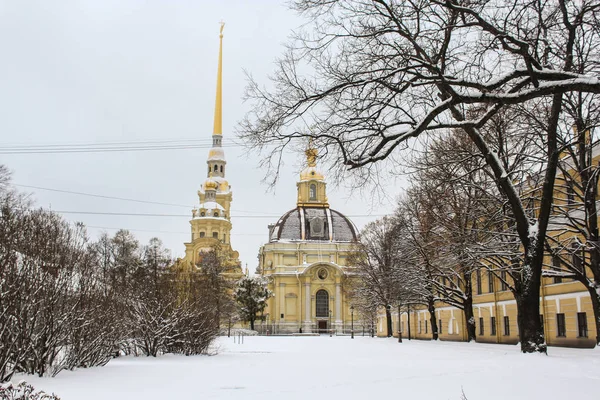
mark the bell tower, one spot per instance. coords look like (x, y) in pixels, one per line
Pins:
(211, 220)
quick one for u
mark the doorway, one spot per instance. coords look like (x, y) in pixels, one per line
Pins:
(322, 325)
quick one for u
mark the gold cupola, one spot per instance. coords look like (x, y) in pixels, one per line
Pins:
(312, 189)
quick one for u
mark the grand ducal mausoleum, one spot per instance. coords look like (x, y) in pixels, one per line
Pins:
(306, 262)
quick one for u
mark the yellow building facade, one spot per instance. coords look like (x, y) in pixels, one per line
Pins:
(566, 310)
(211, 219)
(306, 263)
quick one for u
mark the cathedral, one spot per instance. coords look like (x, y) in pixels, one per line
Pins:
(306, 263)
(211, 219)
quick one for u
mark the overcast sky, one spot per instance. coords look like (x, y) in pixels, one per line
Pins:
(94, 72)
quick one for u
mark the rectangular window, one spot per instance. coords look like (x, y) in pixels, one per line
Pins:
(561, 330)
(440, 326)
(570, 193)
(582, 327)
(481, 330)
(503, 276)
(478, 279)
(490, 281)
(506, 326)
(556, 268)
(578, 256)
(426, 328)
(216, 235)
(493, 326)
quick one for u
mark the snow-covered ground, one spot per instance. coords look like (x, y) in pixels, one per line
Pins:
(335, 368)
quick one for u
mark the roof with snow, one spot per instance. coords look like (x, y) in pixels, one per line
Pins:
(316, 224)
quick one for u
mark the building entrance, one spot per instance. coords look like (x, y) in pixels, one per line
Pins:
(322, 326)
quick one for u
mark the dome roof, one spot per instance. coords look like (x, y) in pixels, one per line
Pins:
(318, 223)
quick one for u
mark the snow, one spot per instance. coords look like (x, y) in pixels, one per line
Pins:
(338, 367)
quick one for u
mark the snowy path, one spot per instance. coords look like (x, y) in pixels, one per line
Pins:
(333, 368)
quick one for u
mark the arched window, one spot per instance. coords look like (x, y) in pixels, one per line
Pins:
(202, 234)
(221, 169)
(312, 191)
(216, 167)
(322, 298)
(216, 235)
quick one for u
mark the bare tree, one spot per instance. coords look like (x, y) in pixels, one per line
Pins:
(374, 74)
(376, 260)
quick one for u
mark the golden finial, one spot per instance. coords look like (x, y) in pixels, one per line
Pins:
(218, 125)
(311, 154)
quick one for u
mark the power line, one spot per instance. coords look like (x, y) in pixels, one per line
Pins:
(106, 149)
(102, 196)
(152, 214)
(173, 232)
(112, 146)
(119, 198)
(187, 215)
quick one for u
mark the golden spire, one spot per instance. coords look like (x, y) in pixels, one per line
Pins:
(218, 130)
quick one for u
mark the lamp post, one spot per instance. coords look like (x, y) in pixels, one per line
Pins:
(330, 330)
(399, 326)
(267, 324)
(352, 323)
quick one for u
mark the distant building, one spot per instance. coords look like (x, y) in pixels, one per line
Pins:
(306, 263)
(566, 310)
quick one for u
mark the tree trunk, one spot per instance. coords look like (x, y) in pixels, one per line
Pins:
(469, 319)
(595, 296)
(388, 318)
(432, 318)
(527, 296)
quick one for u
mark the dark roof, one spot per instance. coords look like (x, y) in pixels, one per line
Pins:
(317, 223)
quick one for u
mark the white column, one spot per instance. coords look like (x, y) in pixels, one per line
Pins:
(338, 305)
(307, 310)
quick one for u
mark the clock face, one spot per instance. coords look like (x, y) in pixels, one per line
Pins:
(322, 274)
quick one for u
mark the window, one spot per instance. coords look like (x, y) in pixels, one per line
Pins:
(202, 214)
(582, 327)
(490, 282)
(322, 304)
(216, 167)
(481, 330)
(225, 237)
(493, 326)
(506, 326)
(216, 214)
(221, 168)
(556, 267)
(312, 191)
(578, 256)
(216, 235)
(570, 194)
(202, 234)
(561, 330)
(440, 326)
(503, 276)
(426, 328)
(419, 326)
(478, 278)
